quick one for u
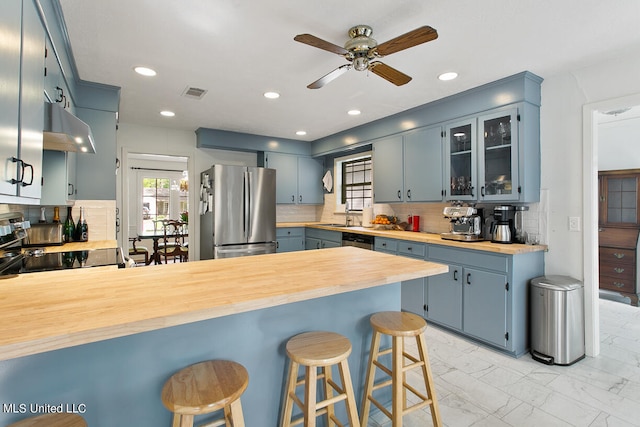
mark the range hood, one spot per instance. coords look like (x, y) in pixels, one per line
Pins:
(65, 132)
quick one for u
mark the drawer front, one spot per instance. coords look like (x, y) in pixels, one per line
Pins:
(619, 256)
(386, 245)
(618, 271)
(290, 232)
(617, 284)
(412, 249)
(484, 260)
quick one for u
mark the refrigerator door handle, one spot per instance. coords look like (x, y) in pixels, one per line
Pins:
(247, 205)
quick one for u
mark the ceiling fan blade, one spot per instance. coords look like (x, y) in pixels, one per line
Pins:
(389, 73)
(405, 41)
(320, 44)
(329, 77)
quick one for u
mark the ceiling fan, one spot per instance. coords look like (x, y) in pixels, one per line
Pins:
(361, 50)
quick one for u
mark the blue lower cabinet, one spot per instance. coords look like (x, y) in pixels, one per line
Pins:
(484, 306)
(290, 239)
(316, 238)
(444, 293)
(484, 296)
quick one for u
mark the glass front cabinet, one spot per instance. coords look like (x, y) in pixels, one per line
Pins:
(482, 155)
(498, 156)
(461, 167)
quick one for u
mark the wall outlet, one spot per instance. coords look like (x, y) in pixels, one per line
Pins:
(574, 223)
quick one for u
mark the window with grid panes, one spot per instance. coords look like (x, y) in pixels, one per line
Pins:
(356, 183)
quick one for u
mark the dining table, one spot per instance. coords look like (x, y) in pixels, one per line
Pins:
(155, 235)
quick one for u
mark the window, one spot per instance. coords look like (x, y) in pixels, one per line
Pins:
(356, 188)
(165, 195)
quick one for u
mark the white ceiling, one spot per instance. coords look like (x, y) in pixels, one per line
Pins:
(238, 49)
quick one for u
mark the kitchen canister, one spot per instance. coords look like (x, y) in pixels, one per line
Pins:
(367, 217)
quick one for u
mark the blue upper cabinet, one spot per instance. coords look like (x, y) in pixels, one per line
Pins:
(423, 165)
(494, 157)
(388, 185)
(461, 164)
(298, 178)
(10, 28)
(408, 167)
(498, 158)
(21, 101)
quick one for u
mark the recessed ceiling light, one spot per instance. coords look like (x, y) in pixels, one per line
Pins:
(144, 71)
(353, 112)
(301, 133)
(271, 95)
(167, 113)
(447, 76)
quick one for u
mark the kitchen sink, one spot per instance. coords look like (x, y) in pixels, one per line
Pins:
(335, 225)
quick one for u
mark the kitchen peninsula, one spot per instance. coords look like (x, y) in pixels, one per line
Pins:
(108, 339)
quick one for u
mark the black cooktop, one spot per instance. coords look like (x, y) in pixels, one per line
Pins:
(35, 260)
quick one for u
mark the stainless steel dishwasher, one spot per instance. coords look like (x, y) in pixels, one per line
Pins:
(363, 241)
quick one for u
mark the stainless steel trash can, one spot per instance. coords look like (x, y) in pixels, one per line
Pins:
(557, 320)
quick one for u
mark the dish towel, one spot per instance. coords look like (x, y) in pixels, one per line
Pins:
(328, 181)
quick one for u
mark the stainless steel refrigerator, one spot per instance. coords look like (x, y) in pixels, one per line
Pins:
(237, 211)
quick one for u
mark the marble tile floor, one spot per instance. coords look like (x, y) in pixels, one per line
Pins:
(479, 387)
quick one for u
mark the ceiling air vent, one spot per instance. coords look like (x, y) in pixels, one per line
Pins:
(194, 92)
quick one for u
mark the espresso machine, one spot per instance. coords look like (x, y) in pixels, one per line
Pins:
(503, 228)
(465, 223)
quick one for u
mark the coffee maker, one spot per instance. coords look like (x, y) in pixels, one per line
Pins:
(503, 228)
(465, 223)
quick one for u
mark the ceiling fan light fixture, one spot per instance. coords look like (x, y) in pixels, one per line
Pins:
(448, 76)
(361, 63)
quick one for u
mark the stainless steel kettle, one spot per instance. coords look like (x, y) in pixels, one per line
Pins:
(501, 233)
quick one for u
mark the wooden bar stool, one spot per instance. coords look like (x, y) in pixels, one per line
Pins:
(204, 388)
(399, 325)
(314, 350)
(52, 420)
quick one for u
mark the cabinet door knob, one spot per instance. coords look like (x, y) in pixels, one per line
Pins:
(293, 198)
(618, 284)
(408, 194)
(468, 278)
(399, 194)
(619, 256)
(300, 198)
(455, 275)
(618, 270)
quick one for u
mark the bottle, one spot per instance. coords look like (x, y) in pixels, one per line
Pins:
(56, 215)
(82, 229)
(43, 218)
(69, 227)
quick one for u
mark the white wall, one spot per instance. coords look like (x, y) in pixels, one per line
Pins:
(563, 97)
(619, 145)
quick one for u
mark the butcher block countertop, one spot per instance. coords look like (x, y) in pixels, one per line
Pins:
(50, 310)
(424, 237)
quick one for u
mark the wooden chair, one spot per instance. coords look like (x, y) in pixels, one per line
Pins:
(204, 388)
(52, 420)
(173, 243)
(313, 351)
(399, 325)
(139, 250)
